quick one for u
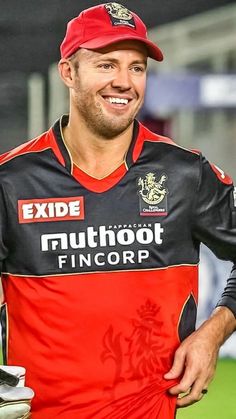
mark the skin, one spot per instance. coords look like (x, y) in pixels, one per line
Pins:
(99, 132)
(98, 136)
(195, 359)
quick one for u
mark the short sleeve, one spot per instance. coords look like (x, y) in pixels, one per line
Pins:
(214, 213)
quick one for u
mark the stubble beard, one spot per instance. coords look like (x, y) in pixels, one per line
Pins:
(103, 126)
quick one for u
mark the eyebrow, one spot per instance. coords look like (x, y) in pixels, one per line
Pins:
(116, 61)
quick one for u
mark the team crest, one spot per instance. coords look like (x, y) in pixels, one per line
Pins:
(152, 195)
(119, 15)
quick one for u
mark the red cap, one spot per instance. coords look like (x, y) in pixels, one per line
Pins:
(103, 25)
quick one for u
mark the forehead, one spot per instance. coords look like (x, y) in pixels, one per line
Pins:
(126, 46)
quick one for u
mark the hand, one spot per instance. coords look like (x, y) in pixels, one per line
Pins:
(15, 399)
(195, 359)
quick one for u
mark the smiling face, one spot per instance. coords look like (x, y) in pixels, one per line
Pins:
(108, 87)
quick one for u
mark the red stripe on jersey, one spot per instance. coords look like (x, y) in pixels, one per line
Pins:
(36, 145)
(99, 185)
(146, 135)
(100, 341)
(221, 175)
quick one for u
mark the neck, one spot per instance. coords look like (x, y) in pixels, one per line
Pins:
(94, 155)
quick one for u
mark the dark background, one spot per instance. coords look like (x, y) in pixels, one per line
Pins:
(31, 30)
(30, 34)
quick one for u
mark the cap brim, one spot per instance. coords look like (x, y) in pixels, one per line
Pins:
(103, 41)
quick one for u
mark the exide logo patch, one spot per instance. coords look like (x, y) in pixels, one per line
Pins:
(51, 209)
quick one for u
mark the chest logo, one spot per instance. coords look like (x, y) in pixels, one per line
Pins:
(51, 209)
(152, 194)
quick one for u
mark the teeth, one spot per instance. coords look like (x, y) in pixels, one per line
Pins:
(118, 100)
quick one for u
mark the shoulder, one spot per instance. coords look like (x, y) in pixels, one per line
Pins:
(36, 145)
(156, 141)
(190, 159)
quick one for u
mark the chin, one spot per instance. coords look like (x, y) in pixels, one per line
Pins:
(120, 126)
(111, 130)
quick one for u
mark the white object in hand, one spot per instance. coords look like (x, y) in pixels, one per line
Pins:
(15, 400)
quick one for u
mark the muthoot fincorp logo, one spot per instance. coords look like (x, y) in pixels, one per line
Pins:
(94, 246)
(102, 237)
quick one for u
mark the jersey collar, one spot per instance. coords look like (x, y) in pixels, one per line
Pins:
(58, 134)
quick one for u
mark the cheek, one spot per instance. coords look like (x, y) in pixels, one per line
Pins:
(141, 87)
(92, 81)
(81, 91)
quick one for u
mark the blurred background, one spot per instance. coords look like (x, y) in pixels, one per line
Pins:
(191, 95)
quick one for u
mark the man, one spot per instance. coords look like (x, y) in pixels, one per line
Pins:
(101, 225)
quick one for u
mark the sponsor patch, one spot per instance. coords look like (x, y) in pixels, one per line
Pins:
(51, 209)
(152, 195)
(104, 246)
(222, 176)
(119, 15)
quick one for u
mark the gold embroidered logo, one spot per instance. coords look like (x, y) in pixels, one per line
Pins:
(118, 11)
(151, 191)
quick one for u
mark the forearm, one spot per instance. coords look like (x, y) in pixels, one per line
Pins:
(195, 359)
(219, 326)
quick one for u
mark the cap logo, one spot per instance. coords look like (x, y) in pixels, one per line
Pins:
(120, 15)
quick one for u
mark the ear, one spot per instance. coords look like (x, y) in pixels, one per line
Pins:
(66, 71)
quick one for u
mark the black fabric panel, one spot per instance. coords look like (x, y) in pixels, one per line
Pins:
(188, 319)
(3, 320)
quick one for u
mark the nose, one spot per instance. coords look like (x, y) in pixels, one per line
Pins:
(122, 80)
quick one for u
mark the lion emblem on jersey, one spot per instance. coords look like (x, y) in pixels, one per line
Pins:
(118, 11)
(144, 344)
(138, 355)
(152, 191)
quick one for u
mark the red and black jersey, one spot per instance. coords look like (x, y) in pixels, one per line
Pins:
(100, 276)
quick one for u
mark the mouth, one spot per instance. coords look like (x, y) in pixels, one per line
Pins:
(117, 102)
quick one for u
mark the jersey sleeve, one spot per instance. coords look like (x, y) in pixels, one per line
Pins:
(3, 228)
(228, 297)
(214, 213)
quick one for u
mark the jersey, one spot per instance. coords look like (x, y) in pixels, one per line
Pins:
(100, 277)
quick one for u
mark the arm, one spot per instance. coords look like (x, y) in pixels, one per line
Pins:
(195, 359)
(214, 223)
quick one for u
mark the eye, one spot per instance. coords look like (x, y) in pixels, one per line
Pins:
(106, 66)
(138, 69)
